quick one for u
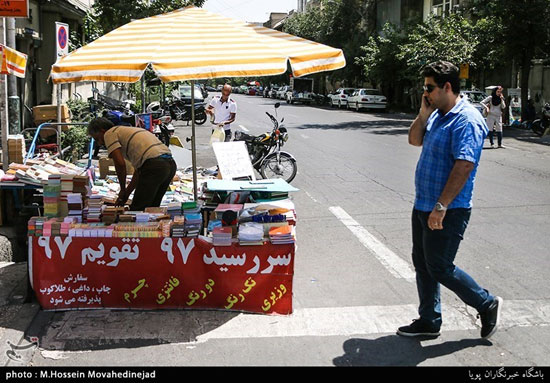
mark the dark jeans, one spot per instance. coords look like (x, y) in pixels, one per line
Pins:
(433, 255)
(155, 175)
(499, 138)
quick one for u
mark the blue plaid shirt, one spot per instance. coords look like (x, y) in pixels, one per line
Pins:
(458, 135)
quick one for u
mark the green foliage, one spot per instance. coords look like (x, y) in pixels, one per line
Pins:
(77, 138)
(451, 38)
(336, 23)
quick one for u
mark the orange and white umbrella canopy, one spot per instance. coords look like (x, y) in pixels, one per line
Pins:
(192, 44)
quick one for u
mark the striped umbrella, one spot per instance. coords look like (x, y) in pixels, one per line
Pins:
(192, 44)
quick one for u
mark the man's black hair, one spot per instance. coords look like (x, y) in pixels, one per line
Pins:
(98, 124)
(443, 72)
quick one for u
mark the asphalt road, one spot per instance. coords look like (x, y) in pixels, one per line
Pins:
(354, 281)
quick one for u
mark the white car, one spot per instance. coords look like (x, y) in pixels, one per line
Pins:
(281, 93)
(340, 97)
(367, 99)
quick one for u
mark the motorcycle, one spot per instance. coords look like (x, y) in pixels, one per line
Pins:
(265, 151)
(540, 125)
(181, 111)
(162, 123)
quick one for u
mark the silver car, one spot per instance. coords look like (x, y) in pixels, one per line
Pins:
(474, 97)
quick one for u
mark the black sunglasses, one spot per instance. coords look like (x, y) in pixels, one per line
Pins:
(429, 88)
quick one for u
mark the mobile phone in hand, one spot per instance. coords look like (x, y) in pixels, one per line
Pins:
(426, 101)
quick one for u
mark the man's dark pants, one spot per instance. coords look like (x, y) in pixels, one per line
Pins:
(155, 175)
(433, 254)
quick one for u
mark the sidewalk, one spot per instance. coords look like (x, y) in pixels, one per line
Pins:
(15, 315)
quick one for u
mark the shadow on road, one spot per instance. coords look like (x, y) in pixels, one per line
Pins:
(395, 350)
(117, 329)
(391, 125)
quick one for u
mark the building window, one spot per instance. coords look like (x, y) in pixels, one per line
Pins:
(443, 7)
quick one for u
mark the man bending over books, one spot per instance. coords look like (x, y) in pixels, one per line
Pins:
(152, 160)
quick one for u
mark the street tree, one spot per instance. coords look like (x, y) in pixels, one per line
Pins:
(520, 31)
(344, 24)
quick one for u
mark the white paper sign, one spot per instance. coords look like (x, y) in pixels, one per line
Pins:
(233, 160)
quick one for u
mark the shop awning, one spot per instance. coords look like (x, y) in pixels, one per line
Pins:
(192, 44)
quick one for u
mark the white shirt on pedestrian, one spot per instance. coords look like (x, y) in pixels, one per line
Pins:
(223, 110)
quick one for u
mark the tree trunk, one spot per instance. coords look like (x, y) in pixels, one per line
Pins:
(524, 81)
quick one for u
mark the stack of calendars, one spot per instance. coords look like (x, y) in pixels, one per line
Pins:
(282, 235)
(222, 235)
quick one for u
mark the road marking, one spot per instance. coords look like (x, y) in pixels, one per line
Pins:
(391, 261)
(243, 128)
(310, 196)
(304, 136)
(348, 321)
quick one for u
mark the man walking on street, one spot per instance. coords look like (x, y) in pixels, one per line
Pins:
(224, 110)
(451, 133)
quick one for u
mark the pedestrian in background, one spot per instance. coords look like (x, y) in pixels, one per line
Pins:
(451, 133)
(224, 110)
(494, 106)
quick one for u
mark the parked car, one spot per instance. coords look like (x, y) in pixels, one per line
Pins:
(475, 97)
(185, 94)
(219, 88)
(210, 88)
(243, 89)
(367, 99)
(281, 93)
(340, 97)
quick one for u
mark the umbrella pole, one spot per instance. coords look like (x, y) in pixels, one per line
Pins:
(193, 142)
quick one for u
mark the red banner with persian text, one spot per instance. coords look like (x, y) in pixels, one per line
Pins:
(160, 273)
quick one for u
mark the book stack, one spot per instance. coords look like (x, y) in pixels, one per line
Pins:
(221, 236)
(80, 185)
(282, 235)
(66, 189)
(193, 224)
(66, 225)
(178, 227)
(52, 193)
(173, 209)
(93, 209)
(16, 148)
(110, 214)
(35, 226)
(165, 227)
(251, 233)
(74, 203)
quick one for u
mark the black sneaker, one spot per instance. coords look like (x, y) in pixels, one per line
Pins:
(490, 318)
(419, 327)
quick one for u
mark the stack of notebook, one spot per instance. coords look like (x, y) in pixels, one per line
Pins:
(193, 224)
(251, 233)
(178, 227)
(74, 202)
(110, 214)
(52, 193)
(93, 210)
(282, 235)
(221, 236)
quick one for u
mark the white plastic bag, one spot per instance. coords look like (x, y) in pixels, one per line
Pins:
(218, 135)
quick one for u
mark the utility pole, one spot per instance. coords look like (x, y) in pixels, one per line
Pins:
(14, 105)
(4, 120)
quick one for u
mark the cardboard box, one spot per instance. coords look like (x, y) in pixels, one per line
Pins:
(45, 113)
(107, 167)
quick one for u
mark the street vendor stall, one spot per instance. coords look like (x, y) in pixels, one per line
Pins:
(232, 246)
(240, 258)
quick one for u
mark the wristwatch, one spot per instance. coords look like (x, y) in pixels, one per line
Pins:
(440, 207)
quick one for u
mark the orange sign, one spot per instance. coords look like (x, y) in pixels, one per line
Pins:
(464, 71)
(14, 8)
